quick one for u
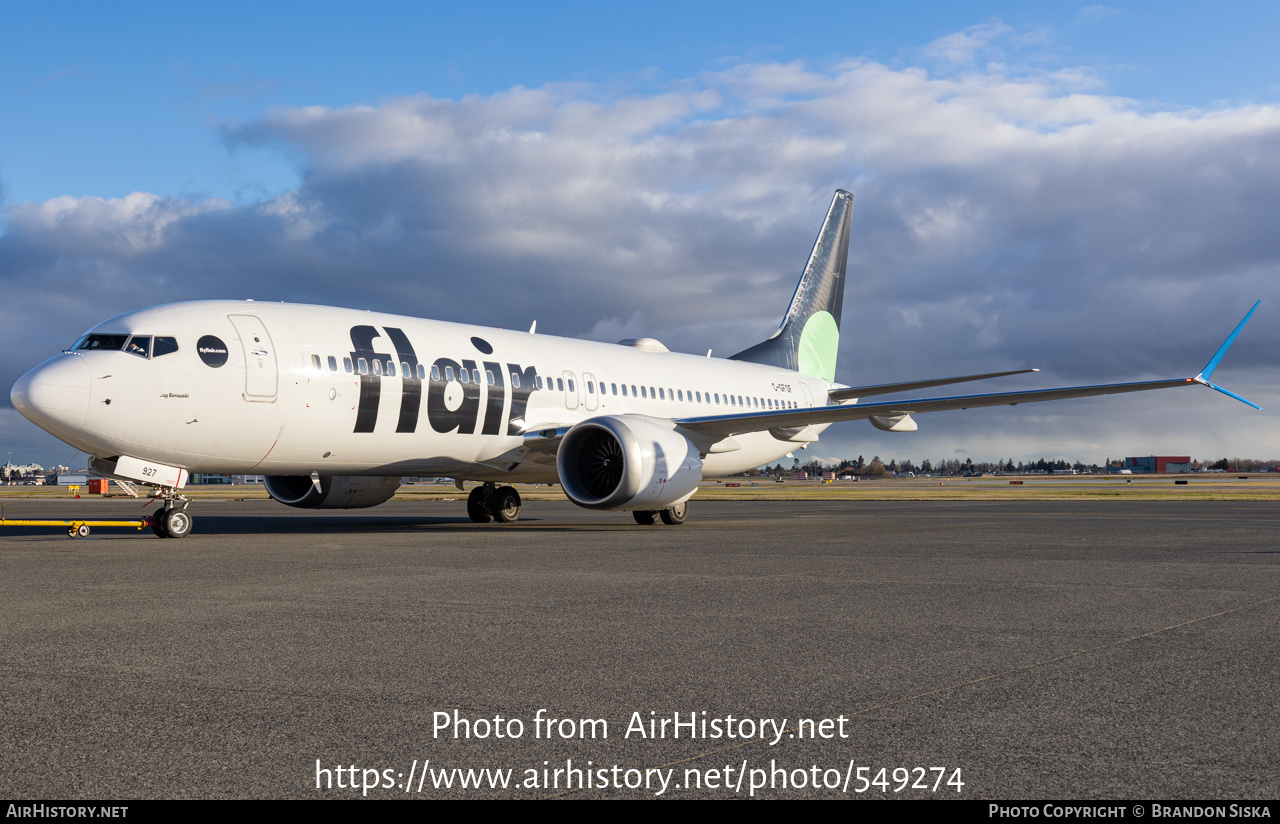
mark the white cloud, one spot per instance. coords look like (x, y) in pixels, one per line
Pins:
(963, 47)
(1095, 13)
(125, 226)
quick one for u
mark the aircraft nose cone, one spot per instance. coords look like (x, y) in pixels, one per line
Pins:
(55, 395)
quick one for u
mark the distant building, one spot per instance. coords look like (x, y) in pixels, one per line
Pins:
(27, 474)
(200, 478)
(1158, 464)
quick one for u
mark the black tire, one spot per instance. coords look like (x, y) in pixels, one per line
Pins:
(81, 531)
(505, 505)
(675, 515)
(177, 523)
(477, 507)
(157, 525)
(644, 517)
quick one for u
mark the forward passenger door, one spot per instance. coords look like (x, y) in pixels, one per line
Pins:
(260, 370)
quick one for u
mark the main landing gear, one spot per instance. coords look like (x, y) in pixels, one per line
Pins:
(488, 502)
(671, 516)
(173, 521)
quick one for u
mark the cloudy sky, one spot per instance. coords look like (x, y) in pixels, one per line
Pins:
(1091, 190)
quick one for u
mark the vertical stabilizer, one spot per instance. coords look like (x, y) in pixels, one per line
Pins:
(809, 337)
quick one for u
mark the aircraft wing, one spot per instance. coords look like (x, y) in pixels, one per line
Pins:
(728, 425)
(787, 423)
(850, 392)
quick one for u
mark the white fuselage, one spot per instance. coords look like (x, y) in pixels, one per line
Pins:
(304, 389)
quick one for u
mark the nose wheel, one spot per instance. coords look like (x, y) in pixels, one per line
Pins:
(172, 522)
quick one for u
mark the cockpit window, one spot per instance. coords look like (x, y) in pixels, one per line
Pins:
(139, 345)
(164, 346)
(112, 343)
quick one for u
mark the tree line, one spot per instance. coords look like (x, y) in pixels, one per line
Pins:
(876, 467)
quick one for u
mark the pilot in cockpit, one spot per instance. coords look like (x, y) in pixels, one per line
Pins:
(139, 345)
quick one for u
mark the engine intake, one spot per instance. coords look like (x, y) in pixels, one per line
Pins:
(336, 491)
(625, 462)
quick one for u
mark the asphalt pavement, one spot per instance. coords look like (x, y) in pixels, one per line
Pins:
(967, 649)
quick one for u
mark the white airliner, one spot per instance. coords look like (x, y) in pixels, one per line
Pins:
(334, 406)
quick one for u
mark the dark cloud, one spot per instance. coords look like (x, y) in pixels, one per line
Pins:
(1000, 222)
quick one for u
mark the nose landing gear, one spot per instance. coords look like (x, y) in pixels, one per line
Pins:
(173, 521)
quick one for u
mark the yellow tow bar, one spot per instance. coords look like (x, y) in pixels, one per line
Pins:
(75, 529)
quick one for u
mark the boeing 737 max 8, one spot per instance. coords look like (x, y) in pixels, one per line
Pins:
(334, 406)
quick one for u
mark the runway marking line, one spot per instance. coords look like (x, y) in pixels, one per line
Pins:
(954, 687)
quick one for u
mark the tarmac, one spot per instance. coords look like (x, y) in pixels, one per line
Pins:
(1045, 650)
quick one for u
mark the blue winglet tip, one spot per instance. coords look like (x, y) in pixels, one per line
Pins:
(1222, 350)
(1229, 393)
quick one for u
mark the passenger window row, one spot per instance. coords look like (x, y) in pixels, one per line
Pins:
(663, 393)
(387, 367)
(695, 396)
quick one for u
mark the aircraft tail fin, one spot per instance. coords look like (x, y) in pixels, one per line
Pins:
(808, 339)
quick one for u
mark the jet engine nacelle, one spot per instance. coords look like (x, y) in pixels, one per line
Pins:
(335, 492)
(625, 462)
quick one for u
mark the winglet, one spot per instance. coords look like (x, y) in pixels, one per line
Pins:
(1203, 377)
(1229, 393)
